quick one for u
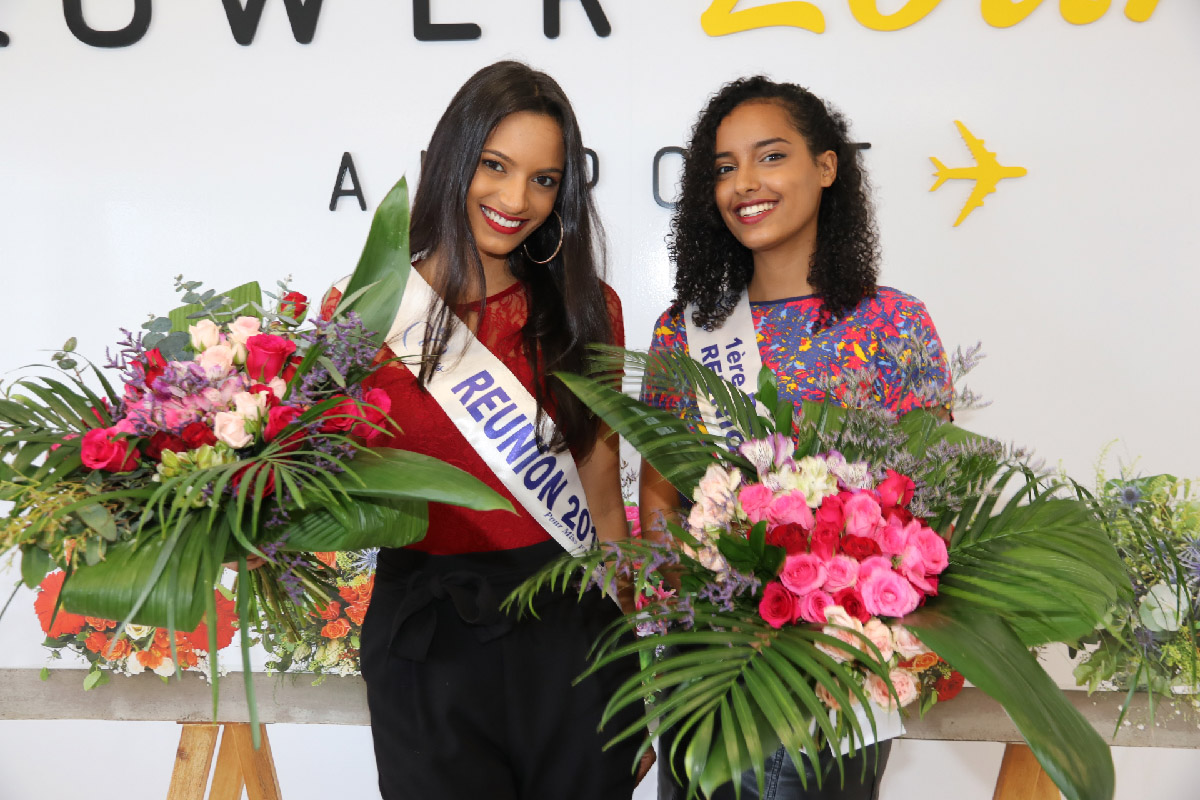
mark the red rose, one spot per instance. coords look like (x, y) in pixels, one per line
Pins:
(860, 548)
(824, 543)
(830, 514)
(778, 605)
(268, 484)
(895, 490)
(266, 355)
(294, 305)
(375, 408)
(197, 434)
(289, 371)
(278, 419)
(342, 417)
(948, 688)
(791, 537)
(103, 450)
(164, 441)
(852, 601)
(262, 388)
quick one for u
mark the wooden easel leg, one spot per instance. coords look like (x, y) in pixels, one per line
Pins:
(258, 767)
(1022, 778)
(227, 780)
(192, 761)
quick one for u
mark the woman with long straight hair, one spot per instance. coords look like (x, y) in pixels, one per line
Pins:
(774, 243)
(467, 701)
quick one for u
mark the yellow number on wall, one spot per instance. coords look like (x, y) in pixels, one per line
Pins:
(1006, 13)
(1083, 12)
(1140, 10)
(867, 13)
(720, 19)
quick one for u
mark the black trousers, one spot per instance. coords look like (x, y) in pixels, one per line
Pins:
(781, 781)
(468, 703)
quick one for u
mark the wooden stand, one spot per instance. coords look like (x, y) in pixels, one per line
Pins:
(238, 763)
(1022, 777)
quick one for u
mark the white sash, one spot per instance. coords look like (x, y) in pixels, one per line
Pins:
(731, 351)
(496, 414)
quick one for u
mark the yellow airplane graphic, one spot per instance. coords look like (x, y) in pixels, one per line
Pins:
(986, 173)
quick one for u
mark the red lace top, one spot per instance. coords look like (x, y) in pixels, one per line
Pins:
(428, 430)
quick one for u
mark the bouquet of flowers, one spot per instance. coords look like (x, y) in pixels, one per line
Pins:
(236, 432)
(328, 644)
(139, 647)
(839, 561)
(1149, 641)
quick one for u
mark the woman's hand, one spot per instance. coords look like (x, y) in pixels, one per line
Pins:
(252, 562)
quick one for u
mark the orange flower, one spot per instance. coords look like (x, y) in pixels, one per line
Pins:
(924, 661)
(43, 605)
(336, 629)
(150, 659)
(118, 650)
(356, 612)
(101, 624)
(226, 617)
(96, 641)
(331, 611)
(161, 642)
(348, 593)
(328, 559)
(187, 658)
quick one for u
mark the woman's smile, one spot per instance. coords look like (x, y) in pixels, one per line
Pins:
(502, 222)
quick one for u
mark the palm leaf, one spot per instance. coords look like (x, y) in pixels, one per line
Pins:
(402, 475)
(988, 653)
(358, 525)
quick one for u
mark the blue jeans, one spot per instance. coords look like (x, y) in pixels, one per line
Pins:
(782, 782)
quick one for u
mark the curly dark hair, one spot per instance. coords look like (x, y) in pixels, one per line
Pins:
(713, 268)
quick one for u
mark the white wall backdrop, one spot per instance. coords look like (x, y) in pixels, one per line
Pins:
(187, 153)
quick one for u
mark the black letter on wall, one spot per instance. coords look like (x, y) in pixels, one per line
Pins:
(130, 34)
(594, 163)
(426, 31)
(662, 151)
(354, 191)
(243, 21)
(595, 14)
(3, 39)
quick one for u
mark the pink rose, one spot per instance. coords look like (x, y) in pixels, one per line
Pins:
(204, 334)
(230, 428)
(790, 508)
(880, 636)
(870, 565)
(754, 500)
(933, 550)
(803, 573)
(635, 521)
(831, 514)
(840, 573)
(902, 681)
(895, 490)
(862, 515)
(266, 355)
(907, 644)
(778, 605)
(813, 605)
(101, 449)
(242, 328)
(216, 360)
(825, 697)
(843, 628)
(887, 594)
(893, 536)
(912, 566)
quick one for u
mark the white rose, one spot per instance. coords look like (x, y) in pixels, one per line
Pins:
(217, 360)
(133, 666)
(230, 428)
(166, 668)
(907, 645)
(243, 328)
(138, 631)
(205, 334)
(278, 386)
(250, 406)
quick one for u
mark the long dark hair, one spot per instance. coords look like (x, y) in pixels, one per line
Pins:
(713, 268)
(567, 307)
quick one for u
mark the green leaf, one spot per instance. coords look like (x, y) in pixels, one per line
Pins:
(384, 262)
(98, 518)
(44, 674)
(35, 565)
(358, 525)
(991, 656)
(392, 474)
(239, 298)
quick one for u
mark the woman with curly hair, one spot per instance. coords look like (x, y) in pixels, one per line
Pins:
(774, 243)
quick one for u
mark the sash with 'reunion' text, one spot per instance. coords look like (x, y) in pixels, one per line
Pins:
(497, 415)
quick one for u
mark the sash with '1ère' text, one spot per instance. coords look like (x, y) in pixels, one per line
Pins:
(497, 415)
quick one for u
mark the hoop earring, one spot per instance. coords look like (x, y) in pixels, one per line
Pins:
(561, 235)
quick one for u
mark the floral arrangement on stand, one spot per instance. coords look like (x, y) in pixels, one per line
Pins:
(838, 563)
(1149, 641)
(139, 649)
(236, 432)
(329, 643)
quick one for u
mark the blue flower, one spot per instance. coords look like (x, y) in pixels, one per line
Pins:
(1130, 495)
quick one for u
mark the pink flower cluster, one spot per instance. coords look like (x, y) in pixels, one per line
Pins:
(861, 550)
